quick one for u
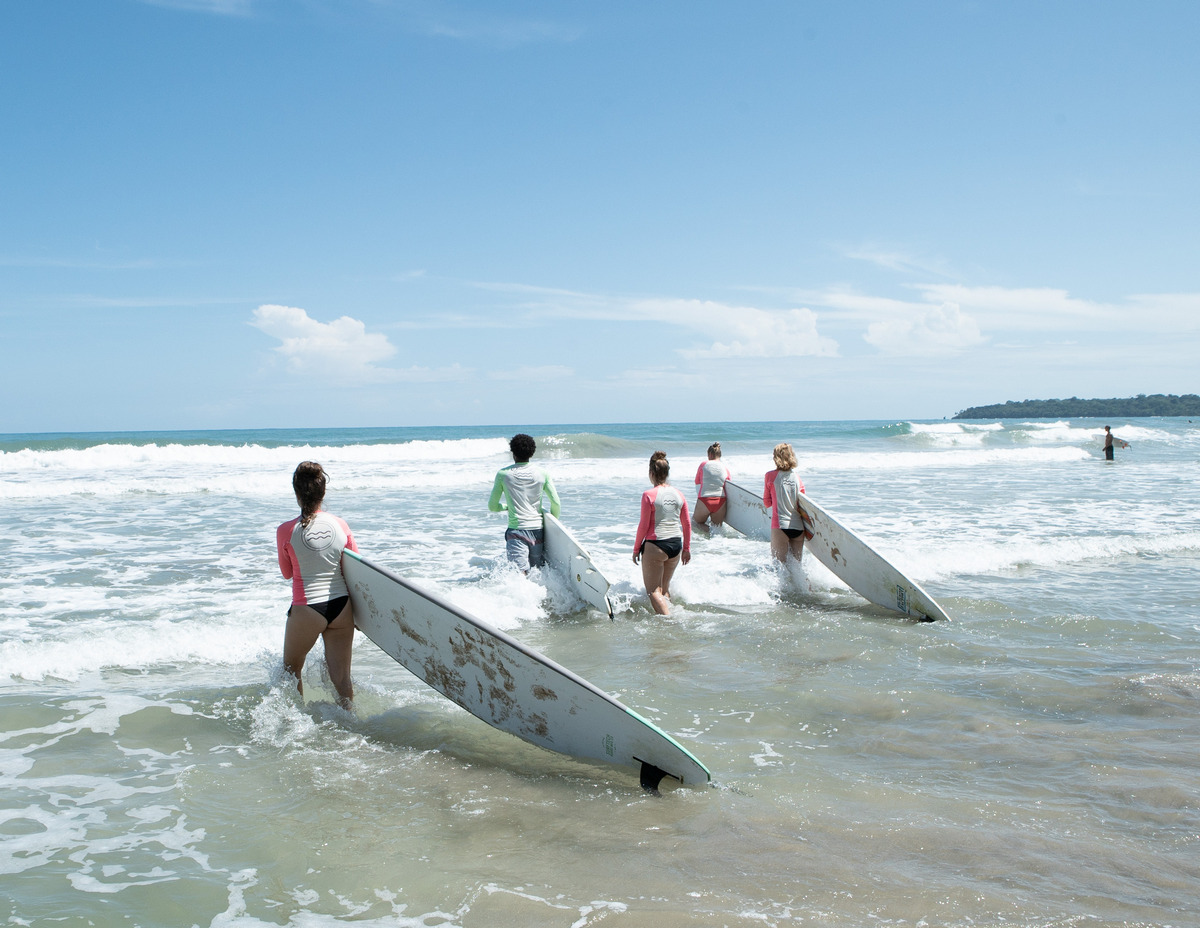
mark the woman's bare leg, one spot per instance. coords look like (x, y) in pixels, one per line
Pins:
(304, 627)
(779, 545)
(339, 644)
(654, 565)
(668, 573)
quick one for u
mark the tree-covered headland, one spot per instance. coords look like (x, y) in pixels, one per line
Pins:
(1075, 408)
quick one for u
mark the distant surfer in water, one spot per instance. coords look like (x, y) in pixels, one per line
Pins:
(310, 555)
(710, 493)
(664, 534)
(1109, 440)
(523, 484)
(781, 494)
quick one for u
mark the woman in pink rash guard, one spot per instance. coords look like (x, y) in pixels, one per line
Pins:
(781, 494)
(310, 555)
(664, 535)
(710, 489)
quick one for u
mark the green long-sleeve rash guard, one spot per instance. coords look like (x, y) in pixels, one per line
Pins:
(523, 484)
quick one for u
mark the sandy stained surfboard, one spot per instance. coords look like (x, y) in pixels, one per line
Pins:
(505, 683)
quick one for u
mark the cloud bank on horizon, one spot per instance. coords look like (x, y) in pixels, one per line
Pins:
(935, 326)
(453, 212)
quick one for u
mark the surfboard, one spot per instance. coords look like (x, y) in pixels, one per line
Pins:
(567, 557)
(506, 684)
(850, 558)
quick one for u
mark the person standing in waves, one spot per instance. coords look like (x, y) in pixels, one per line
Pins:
(1109, 440)
(664, 534)
(781, 494)
(523, 484)
(710, 489)
(310, 555)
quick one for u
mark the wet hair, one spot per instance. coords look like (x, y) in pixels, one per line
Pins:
(785, 457)
(660, 467)
(714, 451)
(522, 447)
(309, 483)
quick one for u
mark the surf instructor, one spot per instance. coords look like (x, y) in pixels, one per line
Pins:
(1109, 440)
(523, 484)
(310, 555)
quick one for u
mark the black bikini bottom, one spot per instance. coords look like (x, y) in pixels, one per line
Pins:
(671, 547)
(330, 609)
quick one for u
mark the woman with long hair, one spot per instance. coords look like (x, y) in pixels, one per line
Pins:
(664, 535)
(710, 489)
(781, 494)
(310, 555)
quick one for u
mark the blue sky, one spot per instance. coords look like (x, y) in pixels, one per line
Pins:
(292, 213)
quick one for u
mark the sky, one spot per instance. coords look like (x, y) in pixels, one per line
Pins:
(320, 213)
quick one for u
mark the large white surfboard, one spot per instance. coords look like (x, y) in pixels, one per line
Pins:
(506, 684)
(567, 557)
(855, 562)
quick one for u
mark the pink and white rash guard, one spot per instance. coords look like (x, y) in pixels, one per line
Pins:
(311, 557)
(710, 478)
(664, 515)
(781, 494)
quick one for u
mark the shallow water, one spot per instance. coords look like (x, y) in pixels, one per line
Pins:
(1033, 762)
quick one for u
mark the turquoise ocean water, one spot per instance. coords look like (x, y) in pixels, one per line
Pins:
(1034, 762)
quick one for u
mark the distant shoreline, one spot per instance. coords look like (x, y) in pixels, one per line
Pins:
(1074, 408)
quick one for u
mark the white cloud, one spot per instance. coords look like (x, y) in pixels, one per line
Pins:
(741, 331)
(219, 7)
(854, 306)
(1024, 308)
(535, 374)
(505, 34)
(343, 346)
(937, 331)
(1042, 309)
(478, 25)
(949, 318)
(1172, 312)
(736, 331)
(661, 381)
(899, 261)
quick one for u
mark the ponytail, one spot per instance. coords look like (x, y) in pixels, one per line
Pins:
(309, 483)
(660, 467)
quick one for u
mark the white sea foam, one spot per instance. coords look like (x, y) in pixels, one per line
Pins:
(953, 434)
(114, 470)
(1021, 551)
(153, 750)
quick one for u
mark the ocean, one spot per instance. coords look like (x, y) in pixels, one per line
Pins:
(1033, 762)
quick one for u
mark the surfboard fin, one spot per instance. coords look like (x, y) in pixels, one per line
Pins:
(651, 777)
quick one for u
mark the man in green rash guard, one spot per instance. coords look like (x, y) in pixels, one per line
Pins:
(523, 484)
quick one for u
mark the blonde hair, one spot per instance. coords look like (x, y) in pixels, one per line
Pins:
(785, 457)
(714, 451)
